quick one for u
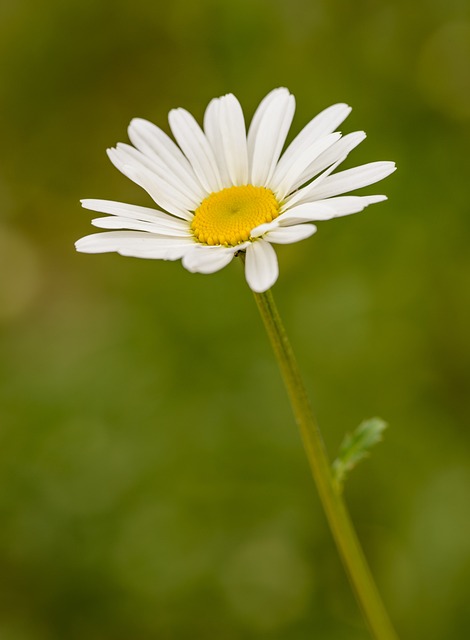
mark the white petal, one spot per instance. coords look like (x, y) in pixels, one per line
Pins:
(326, 209)
(171, 186)
(261, 267)
(303, 195)
(207, 259)
(340, 182)
(261, 229)
(155, 253)
(259, 114)
(135, 243)
(154, 143)
(347, 205)
(288, 176)
(196, 147)
(163, 194)
(352, 179)
(118, 222)
(272, 128)
(212, 131)
(146, 214)
(224, 126)
(287, 235)
(323, 124)
(335, 154)
(305, 212)
(233, 133)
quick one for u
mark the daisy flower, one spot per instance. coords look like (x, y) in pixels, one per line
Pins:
(222, 191)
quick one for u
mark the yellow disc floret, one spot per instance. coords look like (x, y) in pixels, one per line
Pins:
(227, 217)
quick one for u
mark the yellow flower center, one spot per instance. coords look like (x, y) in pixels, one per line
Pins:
(227, 217)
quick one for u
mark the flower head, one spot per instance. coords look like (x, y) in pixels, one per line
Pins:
(223, 191)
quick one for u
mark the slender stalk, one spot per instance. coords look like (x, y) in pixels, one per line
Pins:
(340, 523)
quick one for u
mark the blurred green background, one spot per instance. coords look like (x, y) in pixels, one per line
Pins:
(152, 481)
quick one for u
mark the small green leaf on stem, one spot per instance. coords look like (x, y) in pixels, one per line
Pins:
(355, 447)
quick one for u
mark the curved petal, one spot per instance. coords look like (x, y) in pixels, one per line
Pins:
(261, 229)
(196, 148)
(347, 205)
(212, 131)
(288, 235)
(161, 192)
(334, 155)
(165, 178)
(259, 115)
(145, 214)
(288, 176)
(261, 266)
(118, 222)
(207, 259)
(321, 125)
(326, 185)
(155, 143)
(135, 243)
(353, 179)
(233, 138)
(326, 209)
(271, 132)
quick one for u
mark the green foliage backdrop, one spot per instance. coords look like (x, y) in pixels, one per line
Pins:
(152, 482)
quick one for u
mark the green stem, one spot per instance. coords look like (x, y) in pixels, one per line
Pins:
(340, 523)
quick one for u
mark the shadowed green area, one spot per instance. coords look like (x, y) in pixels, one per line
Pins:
(152, 481)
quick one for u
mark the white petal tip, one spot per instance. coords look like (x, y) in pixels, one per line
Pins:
(90, 203)
(136, 122)
(261, 267)
(376, 199)
(173, 112)
(85, 246)
(346, 108)
(387, 169)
